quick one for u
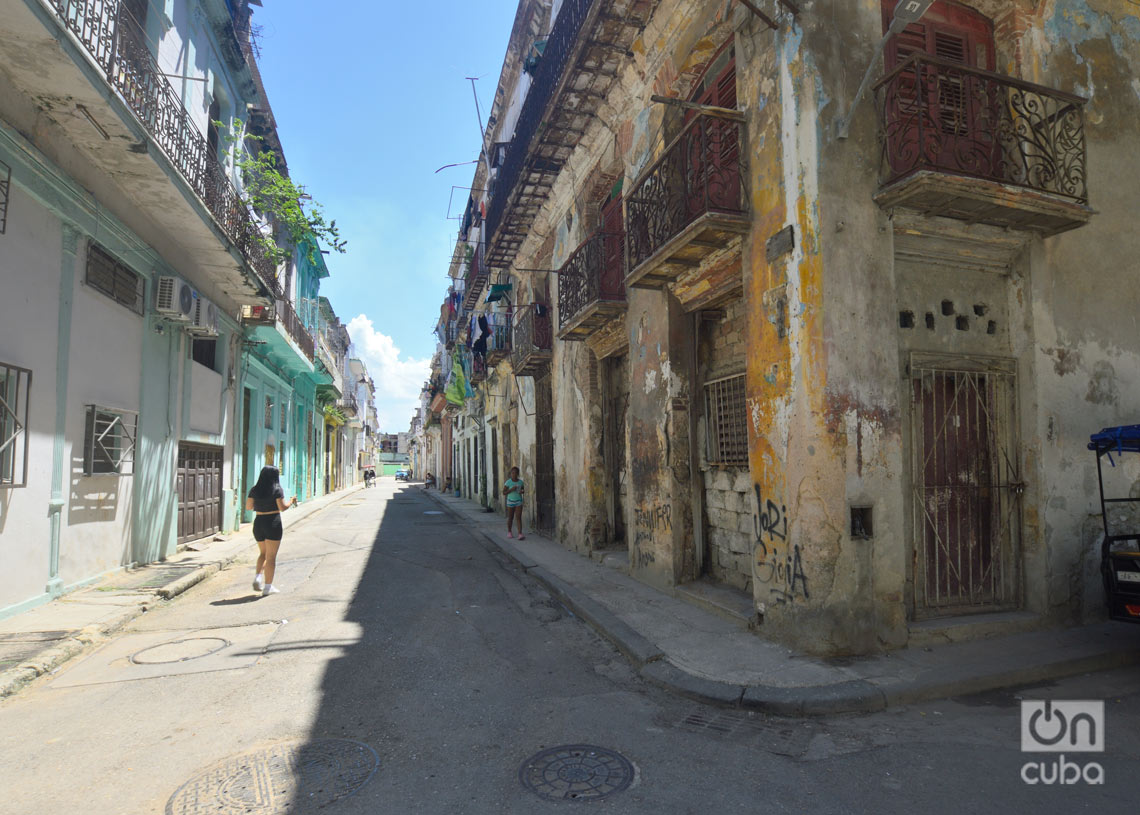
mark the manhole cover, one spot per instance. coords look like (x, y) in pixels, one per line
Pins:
(179, 651)
(291, 777)
(432, 512)
(576, 772)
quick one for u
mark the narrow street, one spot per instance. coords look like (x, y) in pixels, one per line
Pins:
(424, 671)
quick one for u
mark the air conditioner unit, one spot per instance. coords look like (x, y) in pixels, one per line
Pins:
(175, 299)
(205, 320)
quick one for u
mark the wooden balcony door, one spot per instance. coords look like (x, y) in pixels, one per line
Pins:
(953, 124)
(712, 149)
(613, 250)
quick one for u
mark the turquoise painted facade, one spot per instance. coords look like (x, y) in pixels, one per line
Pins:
(280, 380)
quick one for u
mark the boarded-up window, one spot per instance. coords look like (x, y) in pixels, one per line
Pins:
(726, 414)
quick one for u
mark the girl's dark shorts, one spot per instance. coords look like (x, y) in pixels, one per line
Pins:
(267, 527)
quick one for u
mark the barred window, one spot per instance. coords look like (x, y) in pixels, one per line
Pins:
(726, 420)
(284, 415)
(15, 389)
(109, 441)
(112, 278)
(268, 413)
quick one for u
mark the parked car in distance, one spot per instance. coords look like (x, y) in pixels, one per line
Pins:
(403, 475)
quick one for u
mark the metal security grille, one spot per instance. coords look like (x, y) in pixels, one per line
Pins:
(15, 390)
(115, 280)
(726, 420)
(967, 489)
(109, 441)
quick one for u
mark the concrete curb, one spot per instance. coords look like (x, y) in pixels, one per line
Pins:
(13, 679)
(851, 696)
(636, 648)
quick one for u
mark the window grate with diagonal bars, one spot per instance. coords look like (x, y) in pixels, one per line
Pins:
(15, 392)
(109, 441)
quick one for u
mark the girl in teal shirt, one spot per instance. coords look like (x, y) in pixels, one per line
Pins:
(513, 490)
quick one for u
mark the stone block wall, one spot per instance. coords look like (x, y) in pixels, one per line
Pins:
(729, 525)
(729, 513)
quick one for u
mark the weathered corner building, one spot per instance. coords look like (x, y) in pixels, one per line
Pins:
(852, 378)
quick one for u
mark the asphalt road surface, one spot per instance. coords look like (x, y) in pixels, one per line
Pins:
(407, 668)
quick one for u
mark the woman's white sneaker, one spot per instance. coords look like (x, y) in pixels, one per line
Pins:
(259, 582)
(270, 589)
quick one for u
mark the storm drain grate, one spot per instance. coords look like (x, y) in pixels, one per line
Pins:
(576, 772)
(725, 722)
(290, 777)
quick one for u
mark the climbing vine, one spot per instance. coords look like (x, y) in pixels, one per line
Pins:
(286, 205)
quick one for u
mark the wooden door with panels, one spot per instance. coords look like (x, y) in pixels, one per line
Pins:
(941, 109)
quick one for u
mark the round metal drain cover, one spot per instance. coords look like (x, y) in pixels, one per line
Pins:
(290, 777)
(179, 651)
(576, 772)
(432, 512)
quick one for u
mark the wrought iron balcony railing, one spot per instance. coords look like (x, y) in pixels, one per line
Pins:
(941, 116)
(476, 277)
(282, 313)
(544, 84)
(531, 340)
(699, 175)
(117, 44)
(591, 284)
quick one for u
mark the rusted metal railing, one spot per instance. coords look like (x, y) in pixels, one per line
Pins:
(942, 116)
(117, 44)
(592, 274)
(531, 335)
(699, 173)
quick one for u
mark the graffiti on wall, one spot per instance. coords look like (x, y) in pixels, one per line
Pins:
(774, 563)
(647, 522)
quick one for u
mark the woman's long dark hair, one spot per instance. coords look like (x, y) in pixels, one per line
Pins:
(268, 484)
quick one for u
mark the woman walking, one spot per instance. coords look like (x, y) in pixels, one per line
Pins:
(267, 500)
(513, 490)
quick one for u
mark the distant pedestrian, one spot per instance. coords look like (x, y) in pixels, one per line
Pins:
(267, 501)
(513, 490)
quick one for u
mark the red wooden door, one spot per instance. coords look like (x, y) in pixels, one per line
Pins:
(613, 251)
(712, 149)
(950, 117)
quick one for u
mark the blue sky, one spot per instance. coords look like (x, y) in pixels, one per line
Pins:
(370, 98)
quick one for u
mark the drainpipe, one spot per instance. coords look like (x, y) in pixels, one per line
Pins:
(69, 256)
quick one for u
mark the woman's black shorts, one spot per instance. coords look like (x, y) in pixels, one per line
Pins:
(267, 527)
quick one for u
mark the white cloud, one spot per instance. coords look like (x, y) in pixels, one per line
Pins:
(398, 381)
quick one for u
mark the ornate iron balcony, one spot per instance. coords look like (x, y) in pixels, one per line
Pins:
(112, 38)
(591, 286)
(531, 340)
(958, 134)
(688, 203)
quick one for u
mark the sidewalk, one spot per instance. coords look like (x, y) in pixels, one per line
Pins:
(703, 656)
(38, 641)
